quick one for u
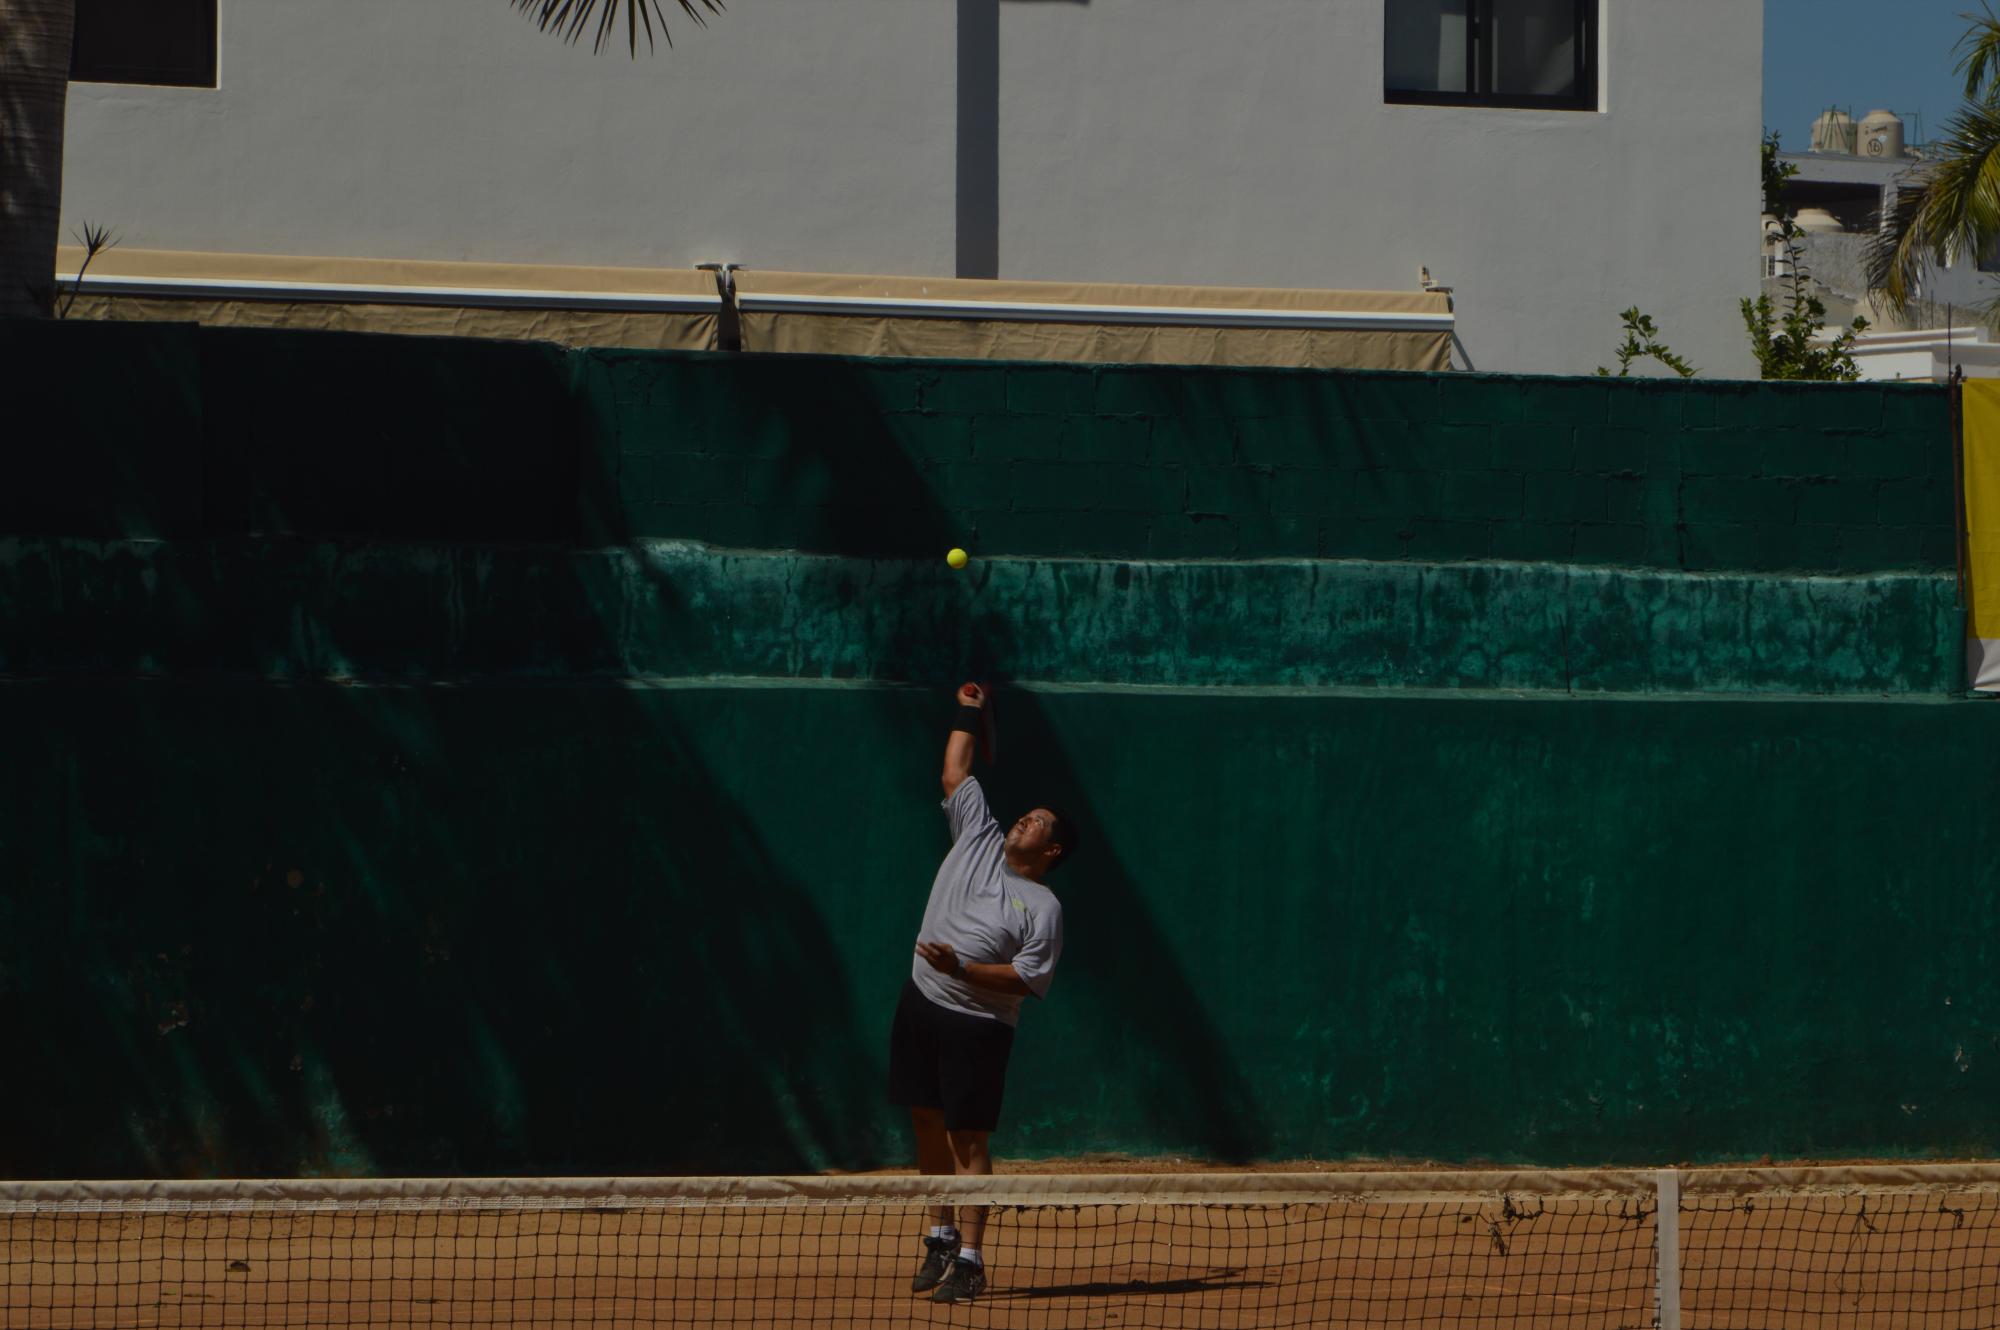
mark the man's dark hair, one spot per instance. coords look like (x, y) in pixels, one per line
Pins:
(1062, 833)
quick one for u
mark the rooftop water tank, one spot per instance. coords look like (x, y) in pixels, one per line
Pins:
(1833, 132)
(1881, 136)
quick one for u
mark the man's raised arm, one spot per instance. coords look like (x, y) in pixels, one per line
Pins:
(958, 747)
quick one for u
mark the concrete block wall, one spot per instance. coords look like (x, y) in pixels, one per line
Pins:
(340, 436)
(1239, 464)
(1608, 536)
(590, 616)
(259, 931)
(665, 609)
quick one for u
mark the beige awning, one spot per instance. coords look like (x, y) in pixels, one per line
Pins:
(661, 308)
(823, 313)
(1062, 321)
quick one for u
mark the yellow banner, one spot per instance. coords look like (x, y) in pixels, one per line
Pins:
(1982, 529)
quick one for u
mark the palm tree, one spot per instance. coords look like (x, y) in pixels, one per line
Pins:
(572, 17)
(35, 40)
(34, 76)
(1953, 208)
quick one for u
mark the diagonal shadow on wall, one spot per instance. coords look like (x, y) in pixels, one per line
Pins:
(852, 480)
(421, 921)
(474, 908)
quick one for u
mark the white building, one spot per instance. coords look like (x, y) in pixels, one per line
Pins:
(1840, 191)
(1552, 161)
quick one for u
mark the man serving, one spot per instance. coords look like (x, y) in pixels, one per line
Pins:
(991, 936)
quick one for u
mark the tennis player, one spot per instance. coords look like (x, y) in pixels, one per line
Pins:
(991, 936)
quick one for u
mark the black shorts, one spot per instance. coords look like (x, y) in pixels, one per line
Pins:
(945, 1059)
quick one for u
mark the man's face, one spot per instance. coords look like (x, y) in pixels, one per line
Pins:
(1032, 832)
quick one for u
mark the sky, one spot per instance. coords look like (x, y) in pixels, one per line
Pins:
(1859, 55)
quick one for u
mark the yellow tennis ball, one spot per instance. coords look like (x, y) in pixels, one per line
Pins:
(957, 558)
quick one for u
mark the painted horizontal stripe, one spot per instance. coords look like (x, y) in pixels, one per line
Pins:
(1478, 630)
(256, 1194)
(726, 683)
(475, 297)
(1007, 311)
(1412, 1186)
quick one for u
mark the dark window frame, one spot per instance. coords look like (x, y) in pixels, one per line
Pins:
(1479, 58)
(159, 75)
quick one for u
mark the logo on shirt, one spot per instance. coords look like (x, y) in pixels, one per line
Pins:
(1018, 904)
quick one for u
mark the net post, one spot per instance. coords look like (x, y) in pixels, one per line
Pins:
(1667, 1228)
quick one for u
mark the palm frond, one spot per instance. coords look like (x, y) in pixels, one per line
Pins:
(1979, 55)
(1952, 208)
(572, 18)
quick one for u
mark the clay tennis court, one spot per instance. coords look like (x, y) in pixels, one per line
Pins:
(1432, 1250)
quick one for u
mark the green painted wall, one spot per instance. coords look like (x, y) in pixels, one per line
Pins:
(346, 436)
(1232, 463)
(1547, 771)
(611, 929)
(377, 611)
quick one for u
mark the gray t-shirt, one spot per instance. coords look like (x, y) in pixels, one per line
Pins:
(989, 913)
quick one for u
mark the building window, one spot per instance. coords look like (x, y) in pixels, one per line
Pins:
(1533, 54)
(170, 42)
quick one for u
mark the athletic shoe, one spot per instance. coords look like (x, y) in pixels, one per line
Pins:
(938, 1256)
(966, 1281)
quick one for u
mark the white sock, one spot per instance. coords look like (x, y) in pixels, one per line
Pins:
(944, 1231)
(970, 1254)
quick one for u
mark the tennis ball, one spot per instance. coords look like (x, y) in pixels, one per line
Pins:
(957, 558)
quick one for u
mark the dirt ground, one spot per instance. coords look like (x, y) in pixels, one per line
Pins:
(1574, 1261)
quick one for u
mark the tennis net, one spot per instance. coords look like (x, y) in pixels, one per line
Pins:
(1917, 1246)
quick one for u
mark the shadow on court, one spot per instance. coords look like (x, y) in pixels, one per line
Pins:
(1214, 1282)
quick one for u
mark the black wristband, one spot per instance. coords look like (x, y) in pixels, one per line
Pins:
(968, 720)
